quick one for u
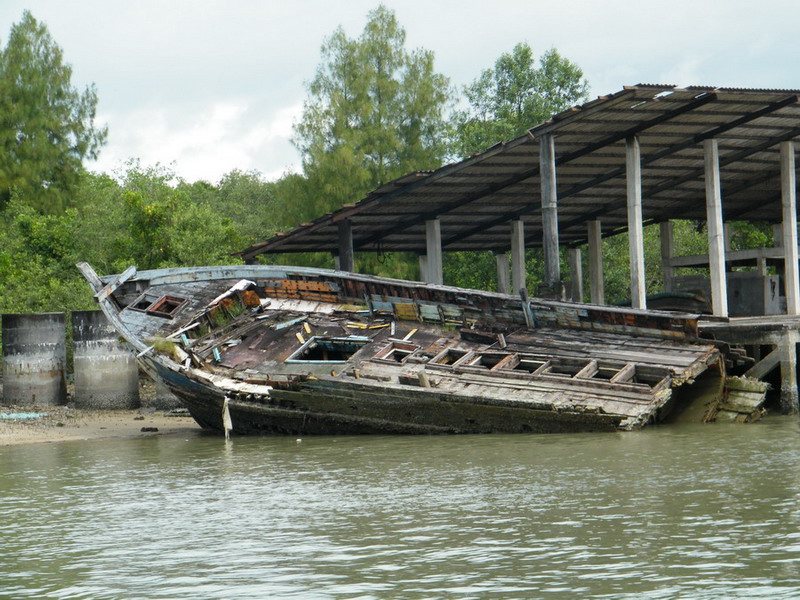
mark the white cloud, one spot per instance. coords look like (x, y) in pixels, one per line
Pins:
(212, 86)
(205, 145)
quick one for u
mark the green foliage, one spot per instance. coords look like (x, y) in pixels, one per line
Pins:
(477, 270)
(375, 112)
(148, 218)
(747, 235)
(515, 95)
(37, 261)
(46, 125)
(246, 200)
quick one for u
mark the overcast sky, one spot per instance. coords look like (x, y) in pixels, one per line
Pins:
(211, 86)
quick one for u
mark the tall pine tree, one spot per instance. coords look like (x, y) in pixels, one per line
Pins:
(46, 125)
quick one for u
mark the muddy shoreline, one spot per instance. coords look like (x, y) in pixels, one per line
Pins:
(61, 423)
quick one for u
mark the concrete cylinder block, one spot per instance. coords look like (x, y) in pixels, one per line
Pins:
(34, 359)
(106, 374)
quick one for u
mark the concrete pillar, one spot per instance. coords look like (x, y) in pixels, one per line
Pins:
(777, 242)
(716, 237)
(549, 190)
(106, 373)
(518, 275)
(34, 359)
(789, 208)
(728, 234)
(789, 394)
(777, 235)
(575, 275)
(433, 239)
(337, 264)
(667, 253)
(596, 283)
(633, 175)
(503, 283)
(423, 267)
(346, 256)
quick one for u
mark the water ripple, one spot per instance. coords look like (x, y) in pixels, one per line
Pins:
(690, 512)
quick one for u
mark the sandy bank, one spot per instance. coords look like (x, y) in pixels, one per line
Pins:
(63, 424)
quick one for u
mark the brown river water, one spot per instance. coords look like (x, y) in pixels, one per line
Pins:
(669, 512)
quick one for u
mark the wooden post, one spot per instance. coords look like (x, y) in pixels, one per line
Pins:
(518, 256)
(596, 287)
(633, 175)
(575, 275)
(423, 267)
(433, 237)
(503, 283)
(716, 237)
(547, 174)
(789, 207)
(789, 394)
(667, 252)
(346, 262)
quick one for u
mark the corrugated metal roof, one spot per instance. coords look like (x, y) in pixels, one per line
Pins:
(477, 198)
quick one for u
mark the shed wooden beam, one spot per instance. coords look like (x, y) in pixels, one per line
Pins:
(633, 177)
(716, 235)
(789, 209)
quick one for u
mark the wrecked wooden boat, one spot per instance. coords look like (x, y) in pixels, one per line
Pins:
(289, 350)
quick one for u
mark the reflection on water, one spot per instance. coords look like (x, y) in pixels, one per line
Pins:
(673, 512)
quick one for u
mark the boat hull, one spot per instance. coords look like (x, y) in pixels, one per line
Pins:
(296, 351)
(340, 409)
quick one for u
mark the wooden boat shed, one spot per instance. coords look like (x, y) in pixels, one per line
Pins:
(646, 154)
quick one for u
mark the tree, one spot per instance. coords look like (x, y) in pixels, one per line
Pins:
(515, 95)
(46, 125)
(375, 112)
(504, 102)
